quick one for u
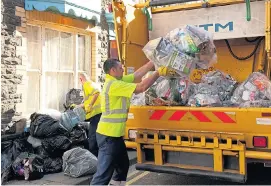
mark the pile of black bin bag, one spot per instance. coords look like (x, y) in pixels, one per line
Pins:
(40, 151)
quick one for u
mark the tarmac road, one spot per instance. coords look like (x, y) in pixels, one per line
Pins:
(257, 175)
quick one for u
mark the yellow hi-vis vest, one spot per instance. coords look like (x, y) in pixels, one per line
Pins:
(115, 103)
(89, 92)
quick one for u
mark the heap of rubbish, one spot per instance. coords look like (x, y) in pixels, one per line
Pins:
(189, 49)
(54, 142)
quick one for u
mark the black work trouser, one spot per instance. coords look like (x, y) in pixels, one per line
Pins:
(112, 160)
(92, 142)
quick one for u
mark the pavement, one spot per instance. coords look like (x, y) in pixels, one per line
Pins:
(257, 175)
(61, 179)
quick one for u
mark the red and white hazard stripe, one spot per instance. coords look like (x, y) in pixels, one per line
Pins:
(178, 115)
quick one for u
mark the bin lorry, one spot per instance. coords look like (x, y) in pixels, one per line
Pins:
(216, 142)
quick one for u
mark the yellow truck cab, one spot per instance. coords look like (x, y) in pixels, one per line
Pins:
(215, 142)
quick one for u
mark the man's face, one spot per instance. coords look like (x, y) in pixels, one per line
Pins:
(82, 79)
(118, 71)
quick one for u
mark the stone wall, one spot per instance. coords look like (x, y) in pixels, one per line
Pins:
(13, 28)
(104, 39)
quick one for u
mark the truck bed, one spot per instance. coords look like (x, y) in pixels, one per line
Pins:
(247, 122)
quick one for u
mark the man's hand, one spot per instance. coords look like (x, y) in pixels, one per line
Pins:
(165, 71)
(88, 109)
(73, 106)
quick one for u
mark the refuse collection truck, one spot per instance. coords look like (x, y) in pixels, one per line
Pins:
(216, 142)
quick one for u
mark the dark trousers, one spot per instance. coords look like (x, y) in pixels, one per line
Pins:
(92, 142)
(112, 158)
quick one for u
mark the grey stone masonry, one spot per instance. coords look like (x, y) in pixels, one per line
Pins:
(12, 13)
(104, 38)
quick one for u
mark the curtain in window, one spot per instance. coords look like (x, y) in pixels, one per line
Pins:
(52, 49)
(33, 47)
(65, 83)
(66, 51)
(33, 92)
(59, 65)
(59, 56)
(81, 52)
(33, 68)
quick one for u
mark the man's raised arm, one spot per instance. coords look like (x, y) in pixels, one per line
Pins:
(142, 71)
(147, 82)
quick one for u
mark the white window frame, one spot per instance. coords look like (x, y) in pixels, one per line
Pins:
(42, 71)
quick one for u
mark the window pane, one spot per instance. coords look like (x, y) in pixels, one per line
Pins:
(84, 53)
(33, 92)
(57, 86)
(81, 52)
(88, 55)
(51, 98)
(66, 51)
(33, 47)
(65, 83)
(52, 49)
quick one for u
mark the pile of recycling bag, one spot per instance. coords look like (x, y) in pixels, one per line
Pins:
(55, 142)
(185, 50)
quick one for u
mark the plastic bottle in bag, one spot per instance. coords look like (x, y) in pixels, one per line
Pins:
(256, 87)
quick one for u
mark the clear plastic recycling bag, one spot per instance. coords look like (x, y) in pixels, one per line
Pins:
(195, 42)
(168, 91)
(256, 87)
(203, 100)
(165, 91)
(256, 104)
(222, 83)
(182, 50)
(162, 53)
(138, 99)
(215, 89)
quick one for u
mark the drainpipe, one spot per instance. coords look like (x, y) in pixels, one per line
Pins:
(110, 22)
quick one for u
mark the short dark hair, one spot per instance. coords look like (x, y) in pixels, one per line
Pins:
(109, 63)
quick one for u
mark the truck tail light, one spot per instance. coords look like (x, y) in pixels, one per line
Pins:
(260, 141)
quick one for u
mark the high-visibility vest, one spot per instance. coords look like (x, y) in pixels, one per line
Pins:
(89, 92)
(114, 108)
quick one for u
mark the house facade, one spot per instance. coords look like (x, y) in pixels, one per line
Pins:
(46, 44)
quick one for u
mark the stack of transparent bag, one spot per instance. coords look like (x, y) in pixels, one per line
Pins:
(192, 48)
(215, 89)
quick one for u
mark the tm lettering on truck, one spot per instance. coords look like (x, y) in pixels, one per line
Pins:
(217, 27)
